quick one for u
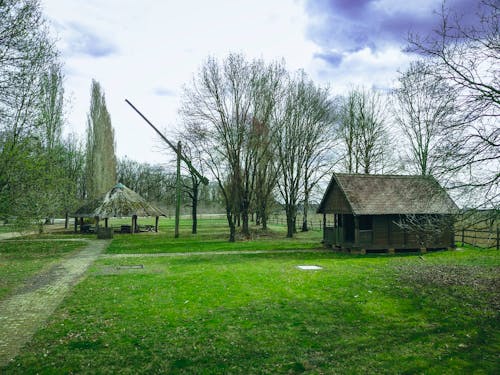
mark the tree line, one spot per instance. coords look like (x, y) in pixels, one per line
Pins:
(44, 174)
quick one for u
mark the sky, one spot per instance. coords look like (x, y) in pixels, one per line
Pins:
(148, 50)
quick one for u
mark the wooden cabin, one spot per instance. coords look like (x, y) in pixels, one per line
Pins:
(387, 213)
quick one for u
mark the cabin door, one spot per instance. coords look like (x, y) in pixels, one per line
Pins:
(348, 228)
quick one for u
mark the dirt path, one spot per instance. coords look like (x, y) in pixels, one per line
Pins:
(22, 314)
(9, 235)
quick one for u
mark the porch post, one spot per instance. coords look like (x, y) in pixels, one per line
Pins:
(324, 226)
(356, 230)
(134, 223)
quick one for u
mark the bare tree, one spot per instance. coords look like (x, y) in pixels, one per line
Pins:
(363, 132)
(423, 106)
(467, 57)
(221, 109)
(303, 136)
(348, 130)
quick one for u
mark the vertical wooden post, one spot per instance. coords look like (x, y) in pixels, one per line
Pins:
(178, 191)
(76, 224)
(66, 220)
(463, 237)
(156, 224)
(324, 225)
(498, 237)
(356, 230)
(81, 224)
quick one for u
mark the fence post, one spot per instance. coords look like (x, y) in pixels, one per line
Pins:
(463, 236)
(498, 237)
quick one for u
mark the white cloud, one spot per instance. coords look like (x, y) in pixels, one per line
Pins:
(362, 68)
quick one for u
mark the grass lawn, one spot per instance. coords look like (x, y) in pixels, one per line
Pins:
(436, 313)
(7, 228)
(19, 260)
(212, 236)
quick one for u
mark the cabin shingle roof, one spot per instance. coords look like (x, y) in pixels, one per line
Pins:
(390, 194)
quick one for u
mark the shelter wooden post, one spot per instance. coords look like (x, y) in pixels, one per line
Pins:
(81, 224)
(356, 230)
(96, 223)
(106, 222)
(76, 224)
(134, 223)
(156, 223)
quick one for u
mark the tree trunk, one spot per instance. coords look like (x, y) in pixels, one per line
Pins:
(290, 221)
(289, 226)
(194, 209)
(245, 229)
(232, 228)
(264, 220)
(306, 205)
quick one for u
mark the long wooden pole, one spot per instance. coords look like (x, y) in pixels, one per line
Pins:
(202, 178)
(178, 191)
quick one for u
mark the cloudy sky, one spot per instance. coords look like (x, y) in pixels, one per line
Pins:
(147, 50)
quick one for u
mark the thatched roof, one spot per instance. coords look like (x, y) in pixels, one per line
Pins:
(118, 202)
(362, 194)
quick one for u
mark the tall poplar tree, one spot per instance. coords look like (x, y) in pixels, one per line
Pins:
(100, 158)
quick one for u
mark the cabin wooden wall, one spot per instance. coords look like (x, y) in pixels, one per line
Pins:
(386, 234)
(336, 202)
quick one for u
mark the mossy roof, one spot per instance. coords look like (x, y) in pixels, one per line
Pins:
(387, 194)
(120, 201)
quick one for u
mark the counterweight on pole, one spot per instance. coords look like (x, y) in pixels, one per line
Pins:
(192, 169)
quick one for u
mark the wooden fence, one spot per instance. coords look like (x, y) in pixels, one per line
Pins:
(313, 224)
(486, 238)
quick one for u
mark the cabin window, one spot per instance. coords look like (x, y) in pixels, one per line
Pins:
(366, 223)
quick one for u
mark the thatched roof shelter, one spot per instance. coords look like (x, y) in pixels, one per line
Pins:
(120, 201)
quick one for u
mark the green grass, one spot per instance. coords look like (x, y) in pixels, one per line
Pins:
(212, 236)
(211, 314)
(19, 260)
(5, 228)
